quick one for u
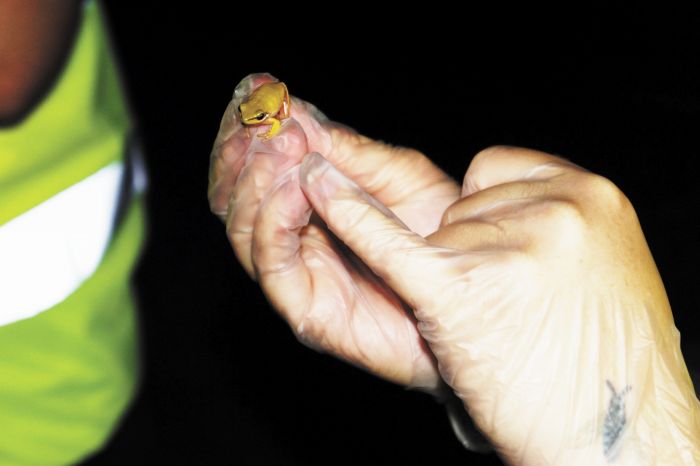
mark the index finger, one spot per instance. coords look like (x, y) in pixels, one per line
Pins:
(401, 257)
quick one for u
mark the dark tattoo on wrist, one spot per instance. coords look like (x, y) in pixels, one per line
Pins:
(615, 421)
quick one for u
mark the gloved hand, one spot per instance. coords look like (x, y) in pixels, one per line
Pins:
(331, 300)
(541, 302)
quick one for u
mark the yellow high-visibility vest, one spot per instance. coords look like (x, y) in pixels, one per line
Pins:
(71, 228)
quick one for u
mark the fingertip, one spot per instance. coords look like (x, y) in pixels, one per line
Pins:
(320, 180)
(250, 83)
(309, 109)
(291, 140)
(311, 165)
(285, 207)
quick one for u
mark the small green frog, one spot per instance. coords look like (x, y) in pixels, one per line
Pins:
(267, 105)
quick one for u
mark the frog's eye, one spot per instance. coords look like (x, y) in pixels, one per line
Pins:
(239, 109)
(261, 116)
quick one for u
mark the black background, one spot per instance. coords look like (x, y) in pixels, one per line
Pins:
(225, 382)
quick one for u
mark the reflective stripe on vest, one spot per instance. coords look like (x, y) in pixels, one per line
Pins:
(49, 251)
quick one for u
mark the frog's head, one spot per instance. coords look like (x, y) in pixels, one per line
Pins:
(251, 114)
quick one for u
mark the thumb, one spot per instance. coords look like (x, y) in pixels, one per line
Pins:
(402, 258)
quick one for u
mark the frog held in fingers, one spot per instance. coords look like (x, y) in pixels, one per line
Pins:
(267, 105)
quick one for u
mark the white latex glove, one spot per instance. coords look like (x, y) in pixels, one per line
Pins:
(331, 301)
(541, 301)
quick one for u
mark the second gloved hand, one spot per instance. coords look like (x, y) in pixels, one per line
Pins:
(541, 301)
